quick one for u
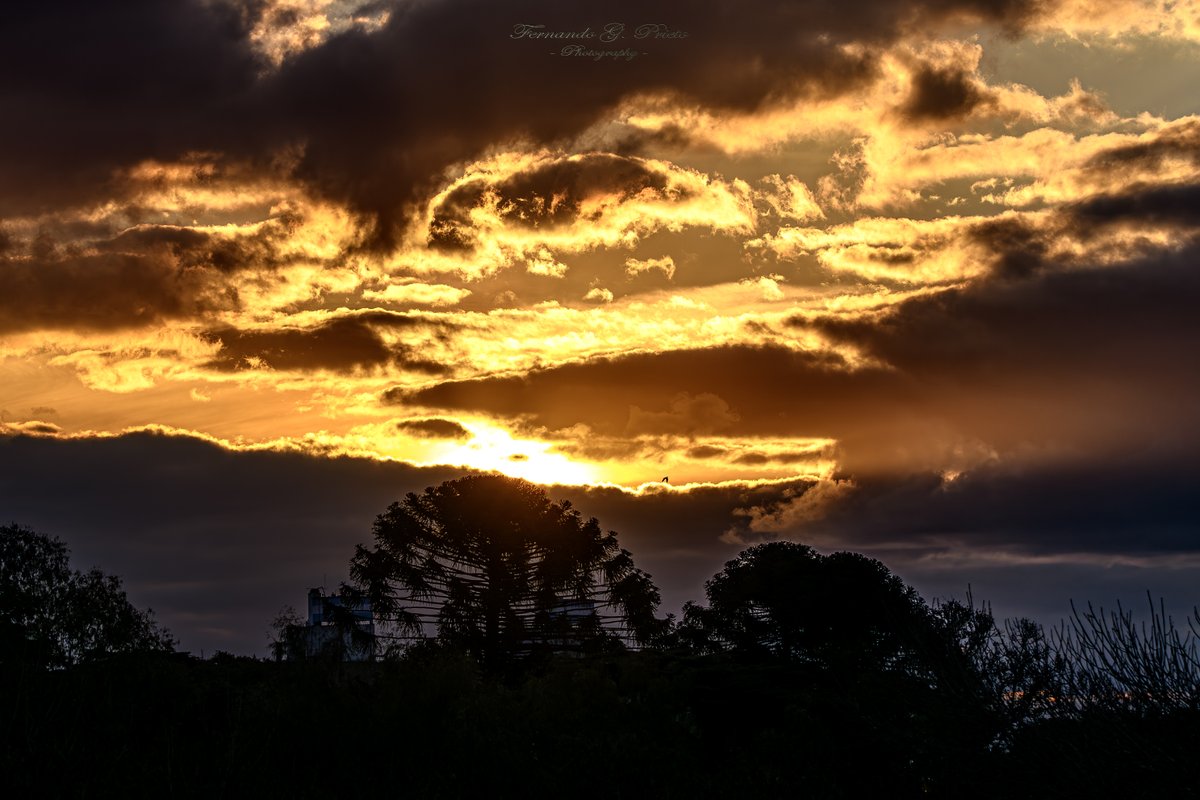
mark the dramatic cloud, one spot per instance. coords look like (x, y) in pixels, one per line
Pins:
(909, 279)
(1155, 205)
(536, 209)
(1087, 357)
(48, 290)
(547, 195)
(339, 345)
(217, 541)
(705, 413)
(192, 77)
(941, 94)
(1136, 508)
(434, 428)
(91, 87)
(678, 391)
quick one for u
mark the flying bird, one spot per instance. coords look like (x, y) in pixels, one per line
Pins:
(664, 480)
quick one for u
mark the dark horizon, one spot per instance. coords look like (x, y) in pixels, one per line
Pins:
(262, 528)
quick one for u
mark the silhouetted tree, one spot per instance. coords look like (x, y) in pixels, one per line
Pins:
(849, 648)
(1120, 664)
(55, 616)
(786, 600)
(286, 634)
(1123, 717)
(499, 569)
(1012, 665)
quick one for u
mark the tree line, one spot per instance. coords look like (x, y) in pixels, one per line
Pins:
(522, 654)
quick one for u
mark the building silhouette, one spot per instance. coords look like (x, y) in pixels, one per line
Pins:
(338, 629)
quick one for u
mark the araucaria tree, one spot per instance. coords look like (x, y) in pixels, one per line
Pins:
(494, 566)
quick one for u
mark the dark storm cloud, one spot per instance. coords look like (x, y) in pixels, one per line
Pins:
(1018, 249)
(90, 87)
(156, 237)
(1021, 248)
(341, 345)
(1137, 507)
(433, 428)
(548, 195)
(940, 94)
(1133, 319)
(138, 277)
(1085, 358)
(670, 136)
(102, 291)
(654, 392)
(1155, 205)
(215, 541)
(1094, 357)
(259, 250)
(488, 88)
(1177, 141)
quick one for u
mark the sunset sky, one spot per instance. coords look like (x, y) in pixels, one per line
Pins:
(917, 279)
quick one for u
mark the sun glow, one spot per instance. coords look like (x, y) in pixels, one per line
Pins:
(495, 449)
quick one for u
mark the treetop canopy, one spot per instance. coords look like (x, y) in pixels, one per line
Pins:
(495, 566)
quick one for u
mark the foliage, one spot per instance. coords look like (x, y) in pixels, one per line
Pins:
(630, 724)
(1018, 673)
(55, 616)
(498, 569)
(286, 631)
(891, 672)
(786, 600)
